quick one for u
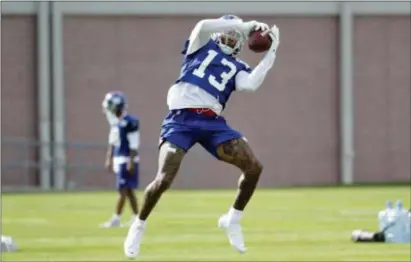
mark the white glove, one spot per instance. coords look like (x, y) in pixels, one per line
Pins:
(274, 34)
(254, 26)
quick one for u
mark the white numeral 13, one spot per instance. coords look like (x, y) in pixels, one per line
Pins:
(225, 76)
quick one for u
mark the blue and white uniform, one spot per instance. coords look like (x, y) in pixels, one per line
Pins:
(209, 74)
(207, 79)
(124, 136)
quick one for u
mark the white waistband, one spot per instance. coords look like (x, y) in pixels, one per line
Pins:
(118, 160)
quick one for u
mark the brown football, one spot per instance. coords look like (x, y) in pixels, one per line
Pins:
(259, 43)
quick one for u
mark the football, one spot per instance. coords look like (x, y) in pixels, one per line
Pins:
(259, 43)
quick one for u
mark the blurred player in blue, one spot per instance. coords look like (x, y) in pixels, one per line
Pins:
(210, 72)
(122, 153)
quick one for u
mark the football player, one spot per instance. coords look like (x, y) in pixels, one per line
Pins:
(122, 153)
(210, 72)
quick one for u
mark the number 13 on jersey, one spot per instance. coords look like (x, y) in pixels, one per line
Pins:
(225, 76)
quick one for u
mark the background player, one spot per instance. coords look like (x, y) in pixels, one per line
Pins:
(122, 153)
(210, 72)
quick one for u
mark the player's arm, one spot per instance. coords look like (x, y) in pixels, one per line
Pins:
(109, 157)
(201, 33)
(134, 142)
(250, 81)
(133, 137)
(110, 150)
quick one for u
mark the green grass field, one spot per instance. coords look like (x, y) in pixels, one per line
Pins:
(279, 225)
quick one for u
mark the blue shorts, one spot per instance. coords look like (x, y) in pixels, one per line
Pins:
(184, 128)
(126, 180)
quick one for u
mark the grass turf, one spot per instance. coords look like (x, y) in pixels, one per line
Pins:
(279, 225)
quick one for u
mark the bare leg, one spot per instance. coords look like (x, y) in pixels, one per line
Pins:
(132, 198)
(169, 161)
(238, 153)
(115, 220)
(121, 201)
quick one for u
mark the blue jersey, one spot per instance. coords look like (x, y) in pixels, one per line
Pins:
(212, 70)
(118, 135)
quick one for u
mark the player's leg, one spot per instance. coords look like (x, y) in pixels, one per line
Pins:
(170, 157)
(121, 187)
(239, 153)
(228, 145)
(132, 185)
(121, 201)
(132, 198)
(176, 139)
(115, 220)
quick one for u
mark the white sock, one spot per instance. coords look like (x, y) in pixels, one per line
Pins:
(234, 215)
(140, 222)
(116, 217)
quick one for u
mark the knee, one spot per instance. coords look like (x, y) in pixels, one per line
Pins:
(257, 167)
(254, 168)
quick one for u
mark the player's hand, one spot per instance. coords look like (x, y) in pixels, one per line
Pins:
(260, 26)
(130, 167)
(109, 164)
(274, 34)
(255, 26)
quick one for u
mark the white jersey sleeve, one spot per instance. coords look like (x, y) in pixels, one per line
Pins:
(134, 140)
(111, 118)
(250, 82)
(202, 31)
(113, 136)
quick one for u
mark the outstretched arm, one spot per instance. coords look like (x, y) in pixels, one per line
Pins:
(204, 28)
(252, 81)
